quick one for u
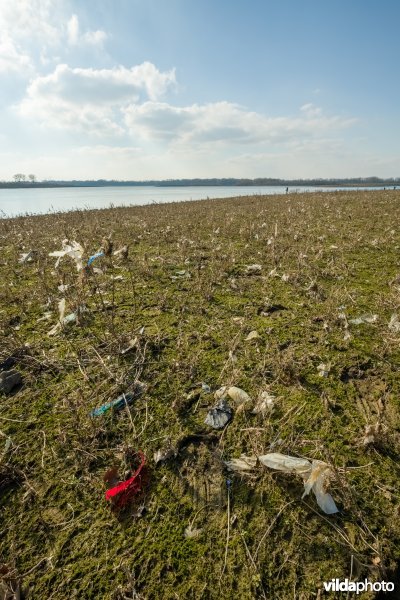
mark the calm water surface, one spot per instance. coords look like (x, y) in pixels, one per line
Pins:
(43, 200)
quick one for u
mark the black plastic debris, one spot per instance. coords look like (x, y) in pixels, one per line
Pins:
(270, 309)
(9, 380)
(220, 415)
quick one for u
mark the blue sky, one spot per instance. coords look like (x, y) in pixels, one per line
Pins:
(134, 89)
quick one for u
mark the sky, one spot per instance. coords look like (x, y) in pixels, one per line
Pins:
(161, 89)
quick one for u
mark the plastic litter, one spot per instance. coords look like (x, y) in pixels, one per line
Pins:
(122, 492)
(72, 249)
(253, 335)
(243, 464)
(315, 476)
(220, 415)
(9, 380)
(163, 455)
(206, 388)
(71, 318)
(372, 434)
(238, 395)
(131, 344)
(264, 404)
(323, 370)
(26, 257)
(93, 258)
(364, 319)
(123, 252)
(192, 532)
(394, 324)
(119, 402)
(253, 269)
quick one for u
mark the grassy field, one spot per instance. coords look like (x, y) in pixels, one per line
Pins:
(184, 301)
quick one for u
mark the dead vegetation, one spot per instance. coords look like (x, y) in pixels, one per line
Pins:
(294, 300)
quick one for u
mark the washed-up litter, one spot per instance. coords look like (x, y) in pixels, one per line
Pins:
(123, 252)
(68, 320)
(372, 434)
(191, 532)
(46, 317)
(121, 492)
(238, 395)
(107, 246)
(181, 275)
(364, 319)
(265, 403)
(8, 363)
(26, 257)
(72, 249)
(220, 415)
(315, 476)
(9, 380)
(253, 335)
(253, 269)
(120, 402)
(394, 324)
(163, 455)
(7, 445)
(271, 308)
(323, 370)
(206, 388)
(94, 257)
(131, 344)
(63, 288)
(243, 464)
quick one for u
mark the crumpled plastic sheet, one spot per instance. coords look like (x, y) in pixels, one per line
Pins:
(220, 415)
(122, 493)
(315, 476)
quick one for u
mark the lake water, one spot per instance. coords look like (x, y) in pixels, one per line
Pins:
(43, 200)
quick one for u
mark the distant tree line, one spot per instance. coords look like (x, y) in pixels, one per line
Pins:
(20, 180)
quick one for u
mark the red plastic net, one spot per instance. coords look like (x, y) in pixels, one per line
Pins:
(122, 493)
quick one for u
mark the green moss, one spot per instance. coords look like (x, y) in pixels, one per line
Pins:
(56, 526)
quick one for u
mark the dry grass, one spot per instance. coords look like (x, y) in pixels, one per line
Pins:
(185, 297)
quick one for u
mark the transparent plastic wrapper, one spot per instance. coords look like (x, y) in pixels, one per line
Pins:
(72, 249)
(265, 404)
(236, 394)
(243, 464)
(315, 476)
(394, 324)
(364, 319)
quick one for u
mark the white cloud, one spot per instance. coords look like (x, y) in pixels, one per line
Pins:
(24, 20)
(12, 59)
(310, 110)
(92, 38)
(35, 31)
(73, 30)
(224, 122)
(90, 99)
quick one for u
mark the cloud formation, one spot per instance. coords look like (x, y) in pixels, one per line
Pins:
(12, 58)
(75, 38)
(91, 99)
(225, 122)
(32, 28)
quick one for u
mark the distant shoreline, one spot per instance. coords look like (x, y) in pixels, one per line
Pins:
(373, 182)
